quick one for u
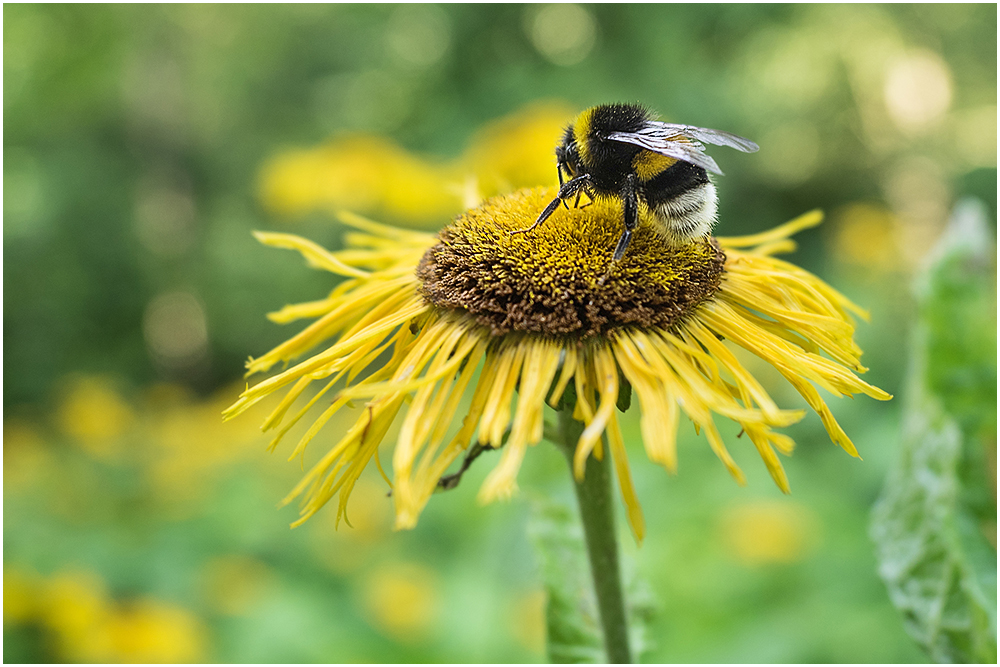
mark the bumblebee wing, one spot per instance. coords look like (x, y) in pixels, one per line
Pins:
(714, 137)
(686, 151)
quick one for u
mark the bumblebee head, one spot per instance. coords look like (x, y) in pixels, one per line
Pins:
(567, 155)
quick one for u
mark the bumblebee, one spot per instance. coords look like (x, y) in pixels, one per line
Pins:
(620, 151)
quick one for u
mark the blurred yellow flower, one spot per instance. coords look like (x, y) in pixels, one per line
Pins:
(372, 174)
(527, 620)
(363, 173)
(865, 234)
(517, 151)
(764, 532)
(149, 631)
(74, 604)
(188, 447)
(88, 626)
(94, 415)
(476, 309)
(370, 517)
(26, 457)
(402, 600)
(20, 596)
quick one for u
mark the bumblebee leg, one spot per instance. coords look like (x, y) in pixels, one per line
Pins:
(623, 242)
(569, 189)
(549, 210)
(630, 201)
(559, 171)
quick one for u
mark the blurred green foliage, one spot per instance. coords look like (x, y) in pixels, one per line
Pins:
(133, 142)
(935, 526)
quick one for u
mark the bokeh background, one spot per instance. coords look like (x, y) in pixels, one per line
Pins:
(143, 144)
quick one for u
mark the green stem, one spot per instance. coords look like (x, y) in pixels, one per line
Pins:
(597, 512)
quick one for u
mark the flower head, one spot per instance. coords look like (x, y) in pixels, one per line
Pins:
(521, 321)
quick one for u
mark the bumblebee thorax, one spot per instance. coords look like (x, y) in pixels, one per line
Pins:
(592, 127)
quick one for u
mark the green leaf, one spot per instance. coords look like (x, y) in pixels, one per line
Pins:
(642, 606)
(935, 525)
(574, 630)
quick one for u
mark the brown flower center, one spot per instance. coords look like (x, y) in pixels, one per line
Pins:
(559, 278)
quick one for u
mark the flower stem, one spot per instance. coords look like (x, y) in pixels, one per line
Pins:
(597, 514)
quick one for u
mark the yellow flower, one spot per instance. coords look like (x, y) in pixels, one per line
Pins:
(150, 631)
(545, 317)
(402, 599)
(20, 596)
(94, 415)
(373, 174)
(761, 532)
(89, 626)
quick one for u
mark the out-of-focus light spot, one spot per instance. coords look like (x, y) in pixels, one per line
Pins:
(154, 91)
(865, 234)
(164, 218)
(175, 330)
(976, 135)
(785, 68)
(469, 191)
(25, 209)
(29, 40)
(790, 153)
(563, 34)
(234, 584)
(764, 532)
(527, 621)
(918, 91)
(401, 600)
(94, 414)
(373, 101)
(419, 35)
(918, 192)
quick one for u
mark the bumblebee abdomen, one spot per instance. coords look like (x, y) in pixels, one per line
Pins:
(688, 216)
(673, 182)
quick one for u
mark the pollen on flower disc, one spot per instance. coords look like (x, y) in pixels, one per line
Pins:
(559, 279)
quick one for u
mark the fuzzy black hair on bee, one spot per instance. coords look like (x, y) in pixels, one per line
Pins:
(621, 151)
